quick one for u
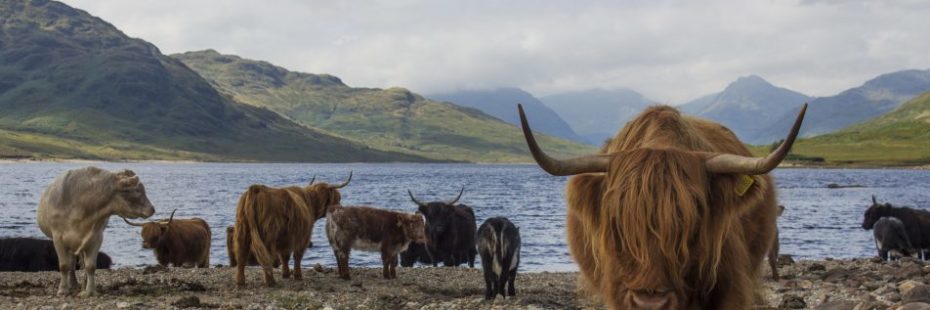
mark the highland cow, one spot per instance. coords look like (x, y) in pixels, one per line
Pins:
(450, 228)
(499, 248)
(916, 223)
(178, 242)
(675, 213)
(370, 229)
(31, 255)
(275, 223)
(891, 239)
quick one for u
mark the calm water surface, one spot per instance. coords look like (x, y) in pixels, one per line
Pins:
(818, 223)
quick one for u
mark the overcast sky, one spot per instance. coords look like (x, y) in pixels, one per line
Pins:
(671, 51)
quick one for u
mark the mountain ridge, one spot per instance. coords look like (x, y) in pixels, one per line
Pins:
(393, 119)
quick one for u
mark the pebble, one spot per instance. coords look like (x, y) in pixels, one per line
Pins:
(919, 293)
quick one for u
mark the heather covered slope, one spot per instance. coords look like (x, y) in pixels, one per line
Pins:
(901, 136)
(393, 119)
(73, 86)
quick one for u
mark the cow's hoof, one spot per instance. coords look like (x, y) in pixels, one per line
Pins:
(86, 294)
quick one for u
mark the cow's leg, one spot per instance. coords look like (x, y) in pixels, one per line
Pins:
(385, 264)
(65, 267)
(90, 267)
(242, 259)
(285, 269)
(510, 289)
(884, 255)
(342, 261)
(298, 258)
(393, 265)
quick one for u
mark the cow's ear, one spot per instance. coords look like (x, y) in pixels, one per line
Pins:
(129, 183)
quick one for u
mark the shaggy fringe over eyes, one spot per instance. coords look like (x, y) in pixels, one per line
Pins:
(654, 209)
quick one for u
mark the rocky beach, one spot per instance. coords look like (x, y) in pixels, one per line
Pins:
(822, 284)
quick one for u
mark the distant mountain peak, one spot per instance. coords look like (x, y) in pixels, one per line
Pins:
(749, 82)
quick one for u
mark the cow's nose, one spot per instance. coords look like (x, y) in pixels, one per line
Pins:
(651, 300)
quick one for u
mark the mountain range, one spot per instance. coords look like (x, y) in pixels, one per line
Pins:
(393, 119)
(500, 104)
(872, 99)
(901, 136)
(746, 106)
(72, 85)
(597, 114)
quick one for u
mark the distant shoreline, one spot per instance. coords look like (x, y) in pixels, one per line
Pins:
(902, 166)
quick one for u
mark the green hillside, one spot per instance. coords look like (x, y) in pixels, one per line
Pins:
(393, 119)
(74, 86)
(900, 137)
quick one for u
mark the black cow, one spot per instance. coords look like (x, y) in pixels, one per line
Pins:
(31, 255)
(450, 230)
(891, 238)
(499, 246)
(416, 253)
(916, 222)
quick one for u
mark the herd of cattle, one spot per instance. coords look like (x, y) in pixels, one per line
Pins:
(673, 213)
(272, 226)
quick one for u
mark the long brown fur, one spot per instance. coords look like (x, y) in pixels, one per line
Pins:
(276, 222)
(657, 220)
(185, 243)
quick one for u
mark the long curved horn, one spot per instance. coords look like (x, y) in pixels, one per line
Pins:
(457, 197)
(583, 164)
(346, 182)
(131, 223)
(414, 199)
(312, 180)
(873, 200)
(170, 219)
(729, 163)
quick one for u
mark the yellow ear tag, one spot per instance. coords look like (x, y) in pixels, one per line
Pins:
(745, 182)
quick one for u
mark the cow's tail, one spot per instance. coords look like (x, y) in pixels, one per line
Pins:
(248, 208)
(501, 254)
(494, 246)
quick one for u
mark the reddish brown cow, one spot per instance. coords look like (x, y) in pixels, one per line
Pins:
(673, 214)
(370, 229)
(274, 223)
(230, 249)
(182, 243)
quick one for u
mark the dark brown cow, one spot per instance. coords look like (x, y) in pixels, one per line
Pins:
(182, 243)
(370, 229)
(274, 223)
(673, 214)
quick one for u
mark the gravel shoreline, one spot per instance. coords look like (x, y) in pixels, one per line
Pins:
(824, 284)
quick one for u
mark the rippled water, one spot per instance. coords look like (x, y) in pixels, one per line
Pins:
(819, 222)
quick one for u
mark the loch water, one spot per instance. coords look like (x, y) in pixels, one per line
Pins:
(818, 223)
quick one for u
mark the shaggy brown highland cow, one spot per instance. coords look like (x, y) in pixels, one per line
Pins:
(673, 214)
(274, 223)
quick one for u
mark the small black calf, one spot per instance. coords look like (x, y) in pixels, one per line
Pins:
(499, 248)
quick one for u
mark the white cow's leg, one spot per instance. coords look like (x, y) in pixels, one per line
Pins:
(65, 267)
(90, 266)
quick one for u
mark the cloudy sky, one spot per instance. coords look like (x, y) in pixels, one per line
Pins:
(671, 51)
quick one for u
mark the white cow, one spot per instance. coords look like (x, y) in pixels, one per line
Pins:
(74, 211)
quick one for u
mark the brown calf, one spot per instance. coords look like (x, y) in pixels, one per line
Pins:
(370, 229)
(182, 243)
(274, 223)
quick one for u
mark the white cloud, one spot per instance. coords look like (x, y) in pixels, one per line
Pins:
(672, 51)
